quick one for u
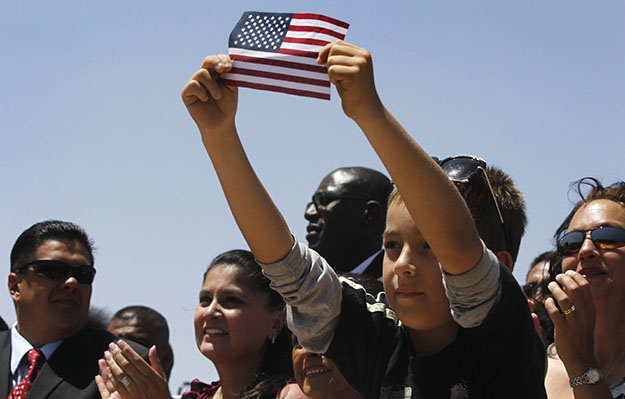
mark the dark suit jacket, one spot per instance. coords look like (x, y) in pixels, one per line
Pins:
(70, 371)
(375, 267)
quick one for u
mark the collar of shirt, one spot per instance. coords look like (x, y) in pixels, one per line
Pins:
(365, 264)
(20, 346)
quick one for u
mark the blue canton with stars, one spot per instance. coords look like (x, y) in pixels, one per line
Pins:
(260, 31)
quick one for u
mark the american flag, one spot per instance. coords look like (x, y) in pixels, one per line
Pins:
(278, 52)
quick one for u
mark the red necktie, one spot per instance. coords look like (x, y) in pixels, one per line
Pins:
(35, 359)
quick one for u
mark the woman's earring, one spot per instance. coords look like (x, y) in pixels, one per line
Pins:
(273, 339)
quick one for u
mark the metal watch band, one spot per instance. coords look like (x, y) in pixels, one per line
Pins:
(590, 377)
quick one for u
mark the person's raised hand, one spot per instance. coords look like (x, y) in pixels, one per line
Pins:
(574, 327)
(351, 70)
(211, 103)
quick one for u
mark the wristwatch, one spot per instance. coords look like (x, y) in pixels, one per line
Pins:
(590, 377)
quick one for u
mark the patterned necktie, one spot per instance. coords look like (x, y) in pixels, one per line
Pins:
(35, 359)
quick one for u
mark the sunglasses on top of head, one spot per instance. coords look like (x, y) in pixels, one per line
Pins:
(58, 270)
(604, 237)
(462, 169)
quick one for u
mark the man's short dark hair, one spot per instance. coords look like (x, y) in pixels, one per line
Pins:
(370, 181)
(144, 315)
(543, 257)
(27, 243)
(511, 203)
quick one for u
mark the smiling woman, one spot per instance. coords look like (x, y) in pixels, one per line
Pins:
(239, 326)
(590, 291)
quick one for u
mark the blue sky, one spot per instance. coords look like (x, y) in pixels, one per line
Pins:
(92, 128)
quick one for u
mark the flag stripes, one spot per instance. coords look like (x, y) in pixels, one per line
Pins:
(278, 52)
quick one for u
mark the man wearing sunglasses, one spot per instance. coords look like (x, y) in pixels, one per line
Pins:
(48, 353)
(346, 219)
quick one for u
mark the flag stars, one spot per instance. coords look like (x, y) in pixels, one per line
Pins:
(261, 32)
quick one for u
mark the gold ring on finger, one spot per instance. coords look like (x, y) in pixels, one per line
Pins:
(569, 311)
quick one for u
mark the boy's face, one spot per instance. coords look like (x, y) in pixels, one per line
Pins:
(412, 276)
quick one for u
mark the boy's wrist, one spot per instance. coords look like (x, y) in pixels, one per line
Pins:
(370, 116)
(225, 129)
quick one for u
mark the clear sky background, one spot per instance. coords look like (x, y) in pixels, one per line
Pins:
(93, 130)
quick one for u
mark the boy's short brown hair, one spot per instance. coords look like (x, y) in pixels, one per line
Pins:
(479, 200)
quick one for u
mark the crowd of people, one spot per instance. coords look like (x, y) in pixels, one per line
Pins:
(404, 289)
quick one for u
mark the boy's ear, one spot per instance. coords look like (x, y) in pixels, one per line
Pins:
(505, 258)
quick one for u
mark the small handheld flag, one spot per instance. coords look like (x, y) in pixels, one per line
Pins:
(278, 52)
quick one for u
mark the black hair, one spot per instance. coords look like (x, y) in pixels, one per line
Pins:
(542, 257)
(32, 238)
(369, 181)
(276, 366)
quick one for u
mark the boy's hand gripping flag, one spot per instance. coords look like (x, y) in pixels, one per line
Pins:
(278, 52)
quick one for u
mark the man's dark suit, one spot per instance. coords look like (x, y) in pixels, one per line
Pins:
(70, 371)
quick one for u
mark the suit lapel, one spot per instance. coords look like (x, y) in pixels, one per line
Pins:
(61, 366)
(5, 363)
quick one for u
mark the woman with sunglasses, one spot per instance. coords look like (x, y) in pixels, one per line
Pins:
(589, 288)
(238, 326)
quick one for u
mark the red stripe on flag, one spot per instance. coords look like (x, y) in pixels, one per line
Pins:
(321, 18)
(299, 53)
(317, 29)
(280, 63)
(280, 76)
(314, 42)
(279, 89)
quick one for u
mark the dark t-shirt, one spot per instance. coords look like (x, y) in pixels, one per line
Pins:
(501, 358)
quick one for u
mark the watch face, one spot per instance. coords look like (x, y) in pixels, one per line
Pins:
(593, 375)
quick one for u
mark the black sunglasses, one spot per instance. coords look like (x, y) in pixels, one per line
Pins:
(463, 168)
(604, 237)
(324, 198)
(59, 270)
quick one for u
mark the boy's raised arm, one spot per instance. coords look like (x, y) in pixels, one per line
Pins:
(212, 106)
(431, 198)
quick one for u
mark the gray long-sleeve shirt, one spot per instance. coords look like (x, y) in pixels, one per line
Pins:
(312, 291)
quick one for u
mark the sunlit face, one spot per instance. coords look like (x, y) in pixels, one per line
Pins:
(232, 321)
(50, 310)
(411, 273)
(318, 377)
(603, 268)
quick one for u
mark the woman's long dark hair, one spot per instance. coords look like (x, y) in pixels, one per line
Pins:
(276, 367)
